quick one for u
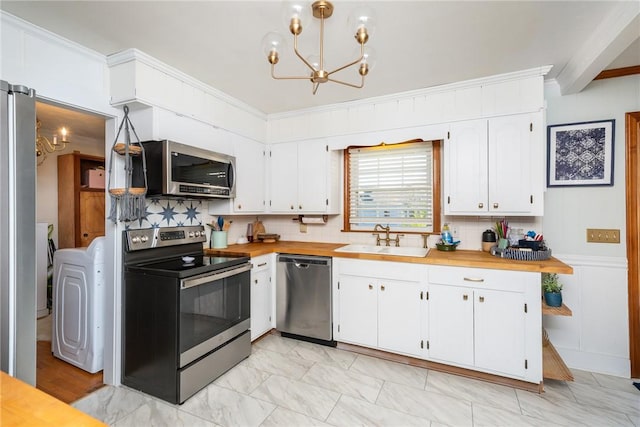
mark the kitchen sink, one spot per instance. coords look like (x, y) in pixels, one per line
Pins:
(384, 250)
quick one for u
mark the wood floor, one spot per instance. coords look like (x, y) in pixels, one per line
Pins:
(62, 380)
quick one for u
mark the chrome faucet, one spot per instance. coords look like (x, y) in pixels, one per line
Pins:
(386, 231)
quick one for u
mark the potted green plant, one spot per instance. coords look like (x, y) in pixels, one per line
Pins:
(552, 289)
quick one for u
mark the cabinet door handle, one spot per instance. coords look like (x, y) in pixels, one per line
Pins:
(382, 288)
(465, 297)
(495, 206)
(262, 265)
(480, 205)
(481, 299)
(473, 279)
(370, 286)
(256, 281)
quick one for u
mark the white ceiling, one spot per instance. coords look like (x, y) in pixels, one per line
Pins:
(419, 43)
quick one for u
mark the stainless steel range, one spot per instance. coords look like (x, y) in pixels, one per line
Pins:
(185, 315)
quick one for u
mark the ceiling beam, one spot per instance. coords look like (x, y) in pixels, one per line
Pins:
(618, 72)
(614, 34)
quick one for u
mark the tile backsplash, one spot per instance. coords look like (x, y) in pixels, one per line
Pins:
(171, 213)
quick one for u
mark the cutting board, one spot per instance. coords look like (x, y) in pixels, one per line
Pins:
(258, 228)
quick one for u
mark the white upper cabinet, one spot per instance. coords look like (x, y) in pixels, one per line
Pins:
(250, 181)
(250, 174)
(495, 166)
(305, 178)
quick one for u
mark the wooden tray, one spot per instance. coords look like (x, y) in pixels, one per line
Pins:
(136, 191)
(134, 150)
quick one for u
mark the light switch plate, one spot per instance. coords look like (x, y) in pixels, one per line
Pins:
(603, 235)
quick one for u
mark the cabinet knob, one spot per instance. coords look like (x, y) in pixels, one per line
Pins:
(239, 206)
(300, 207)
(382, 288)
(291, 207)
(481, 299)
(85, 235)
(370, 286)
(465, 297)
(480, 205)
(495, 206)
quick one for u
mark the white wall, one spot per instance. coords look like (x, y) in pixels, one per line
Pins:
(596, 337)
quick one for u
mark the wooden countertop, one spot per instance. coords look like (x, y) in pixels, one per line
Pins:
(24, 405)
(461, 258)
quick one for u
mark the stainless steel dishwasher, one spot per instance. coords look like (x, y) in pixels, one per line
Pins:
(303, 298)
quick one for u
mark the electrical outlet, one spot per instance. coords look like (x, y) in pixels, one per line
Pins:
(454, 230)
(603, 235)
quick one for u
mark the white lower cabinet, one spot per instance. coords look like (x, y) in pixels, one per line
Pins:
(485, 319)
(261, 295)
(450, 324)
(375, 310)
(479, 319)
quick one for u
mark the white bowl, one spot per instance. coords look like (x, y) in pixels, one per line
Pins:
(242, 241)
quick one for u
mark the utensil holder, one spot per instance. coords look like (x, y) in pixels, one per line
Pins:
(218, 240)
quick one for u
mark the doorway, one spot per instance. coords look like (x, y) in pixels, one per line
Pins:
(85, 136)
(632, 178)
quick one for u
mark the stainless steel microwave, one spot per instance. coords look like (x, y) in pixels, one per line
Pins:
(175, 169)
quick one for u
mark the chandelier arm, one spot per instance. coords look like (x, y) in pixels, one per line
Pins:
(286, 77)
(295, 49)
(351, 63)
(360, 86)
(315, 87)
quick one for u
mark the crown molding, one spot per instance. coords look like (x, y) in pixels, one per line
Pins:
(465, 84)
(134, 54)
(40, 32)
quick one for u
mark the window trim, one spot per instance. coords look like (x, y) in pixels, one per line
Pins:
(436, 179)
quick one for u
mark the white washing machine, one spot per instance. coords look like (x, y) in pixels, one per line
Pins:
(78, 306)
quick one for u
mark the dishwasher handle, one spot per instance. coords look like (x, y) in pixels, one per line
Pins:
(304, 261)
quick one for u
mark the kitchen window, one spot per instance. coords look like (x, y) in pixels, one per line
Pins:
(396, 184)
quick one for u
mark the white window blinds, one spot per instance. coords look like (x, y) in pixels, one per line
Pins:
(392, 185)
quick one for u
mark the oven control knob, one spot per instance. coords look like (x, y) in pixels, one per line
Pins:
(135, 239)
(191, 234)
(144, 238)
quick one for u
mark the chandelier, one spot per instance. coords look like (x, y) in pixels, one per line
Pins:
(297, 13)
(44, 146)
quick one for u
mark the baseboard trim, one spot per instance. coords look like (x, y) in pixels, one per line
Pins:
(467, 373)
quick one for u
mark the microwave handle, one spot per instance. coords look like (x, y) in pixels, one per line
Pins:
(230, 175)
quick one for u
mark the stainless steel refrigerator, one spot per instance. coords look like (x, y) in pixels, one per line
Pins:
(17, 231)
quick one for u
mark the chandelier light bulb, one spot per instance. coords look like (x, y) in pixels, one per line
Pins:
(362, 21)
(272, 44)
(296, 14)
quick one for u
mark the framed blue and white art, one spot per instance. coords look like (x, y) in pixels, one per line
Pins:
(580, 154)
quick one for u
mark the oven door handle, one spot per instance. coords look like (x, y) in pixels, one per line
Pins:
(196, 281)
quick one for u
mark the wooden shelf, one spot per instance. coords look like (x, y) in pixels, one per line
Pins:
(556, 311)
(553, 367)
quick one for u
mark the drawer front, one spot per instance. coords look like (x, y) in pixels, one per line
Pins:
(514, 281)
(381, 269)
(260, 263)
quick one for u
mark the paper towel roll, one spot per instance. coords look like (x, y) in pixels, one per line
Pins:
(313, 220)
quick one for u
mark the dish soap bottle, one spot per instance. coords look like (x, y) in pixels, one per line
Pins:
(447, 239)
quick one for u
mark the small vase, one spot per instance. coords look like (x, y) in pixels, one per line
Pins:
(503, 243)
(553, 299)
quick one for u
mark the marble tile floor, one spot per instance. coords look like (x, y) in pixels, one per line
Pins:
(287, 382)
